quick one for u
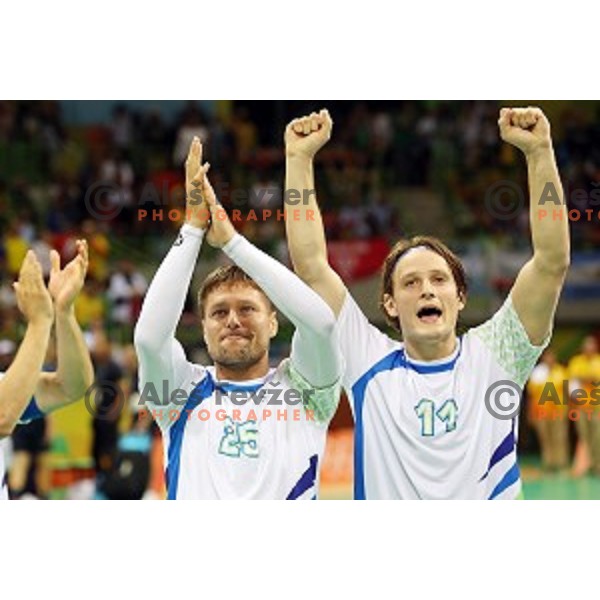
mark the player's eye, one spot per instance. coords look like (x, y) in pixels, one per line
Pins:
(247, 309)
(219, 313)
(439, 279)
(410, 283)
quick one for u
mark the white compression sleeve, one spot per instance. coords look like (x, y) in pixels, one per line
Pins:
(315, 353)
(161, 356)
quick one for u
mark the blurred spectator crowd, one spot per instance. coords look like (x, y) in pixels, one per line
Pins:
(51, 172)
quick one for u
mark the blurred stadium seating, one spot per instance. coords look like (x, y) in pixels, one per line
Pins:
(391, 169)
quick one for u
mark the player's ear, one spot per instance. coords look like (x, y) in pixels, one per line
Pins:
(273, 325)
(462, 301)
(203, 328)
(389, 305)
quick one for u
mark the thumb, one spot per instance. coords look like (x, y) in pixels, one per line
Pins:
(326, 118)
(504, 120)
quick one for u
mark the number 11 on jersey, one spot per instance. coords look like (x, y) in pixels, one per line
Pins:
(447, 413)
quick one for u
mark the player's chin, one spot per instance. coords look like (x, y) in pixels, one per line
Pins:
(234, 355)
(429, 331)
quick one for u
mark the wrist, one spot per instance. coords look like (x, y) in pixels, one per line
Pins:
(40, 322)
(299, 157)
(197, 215)
(542, 150)
(232, 243)
(66, 311)
(201, 226)
(196, 227)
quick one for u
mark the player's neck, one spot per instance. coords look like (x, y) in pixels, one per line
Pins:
(243, 373)
(431, 350)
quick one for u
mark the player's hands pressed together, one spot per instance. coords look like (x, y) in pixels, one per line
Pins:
(527, 129)
(305, 136)
(196, 211)
(65, 284)
(221, 230)
(33, 299)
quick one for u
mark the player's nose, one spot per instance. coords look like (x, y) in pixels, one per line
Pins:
(427, 290)
(233, 321)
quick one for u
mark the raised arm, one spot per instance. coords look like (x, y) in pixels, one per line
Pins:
(306, 235)
(537, 288)
(20, 380)
(160, 355)
(74, 373)
(314, 352)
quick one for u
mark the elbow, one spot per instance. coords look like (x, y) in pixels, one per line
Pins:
(564, 266)
(556, 266)
(311, 272)
(141, 339)
(326, 329)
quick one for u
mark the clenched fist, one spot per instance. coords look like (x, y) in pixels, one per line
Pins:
(305, 136)
(526, 128)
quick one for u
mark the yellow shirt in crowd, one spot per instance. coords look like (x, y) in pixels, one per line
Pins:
(583, 372)
(548, 405)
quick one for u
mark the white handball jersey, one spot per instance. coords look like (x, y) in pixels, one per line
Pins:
(243, 440)
(422, 429)
(250, 439)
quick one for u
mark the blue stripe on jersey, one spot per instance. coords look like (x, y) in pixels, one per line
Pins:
(232, 387)
(32, 412)
(306, 481)
(200, 393)
(394, 360)
(507, 445)
(429, 369)
(510, 477)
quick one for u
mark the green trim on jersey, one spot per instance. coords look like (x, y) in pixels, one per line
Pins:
(323, 402)
(506, 338)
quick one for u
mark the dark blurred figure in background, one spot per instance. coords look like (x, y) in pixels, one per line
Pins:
(108, 402)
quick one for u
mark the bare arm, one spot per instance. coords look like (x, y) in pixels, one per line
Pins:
(306, 235)
(537, 289)
(74, 373)
(19, 383)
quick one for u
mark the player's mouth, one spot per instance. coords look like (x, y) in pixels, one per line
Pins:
(235, 336)
(429, 314)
